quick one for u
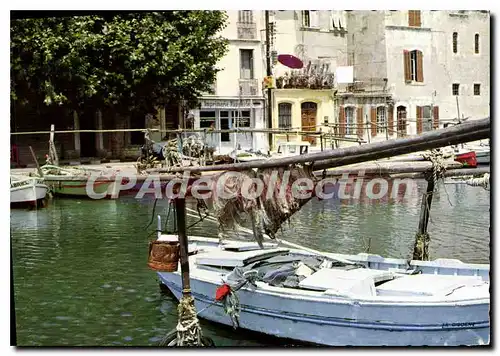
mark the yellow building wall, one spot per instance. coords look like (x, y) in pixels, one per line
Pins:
(322, 98)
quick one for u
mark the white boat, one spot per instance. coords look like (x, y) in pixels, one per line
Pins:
(24, 189)
(360, 300)
(285, 149)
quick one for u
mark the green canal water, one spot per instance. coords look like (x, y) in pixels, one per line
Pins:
(81, 278)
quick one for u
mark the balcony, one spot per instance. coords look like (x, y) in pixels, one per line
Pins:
(247, 30)
(248, 87)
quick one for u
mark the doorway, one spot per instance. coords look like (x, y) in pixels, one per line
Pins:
(88, 139)
(308, 112)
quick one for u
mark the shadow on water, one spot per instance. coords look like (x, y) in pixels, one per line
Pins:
(81, 276)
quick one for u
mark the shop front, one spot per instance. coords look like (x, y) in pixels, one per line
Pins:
(231, 114)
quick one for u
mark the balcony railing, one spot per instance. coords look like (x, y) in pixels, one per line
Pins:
(248, 87)
(247, 30)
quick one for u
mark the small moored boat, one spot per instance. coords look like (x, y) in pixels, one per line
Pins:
(27, 190)
(338, 300)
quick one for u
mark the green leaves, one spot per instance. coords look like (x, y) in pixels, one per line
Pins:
(127, 62)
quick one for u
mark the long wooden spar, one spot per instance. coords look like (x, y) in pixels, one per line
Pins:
(466, 132)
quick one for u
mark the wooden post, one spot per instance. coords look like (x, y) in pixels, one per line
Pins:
(422, 238)
(76, 125)
(368, 124)
(52, 147)
(180, 210)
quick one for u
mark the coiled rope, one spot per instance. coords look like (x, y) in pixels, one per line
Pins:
(438, 166)
(188, 328)
(484, 181)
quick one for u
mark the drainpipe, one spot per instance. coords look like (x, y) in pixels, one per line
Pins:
(269, 90)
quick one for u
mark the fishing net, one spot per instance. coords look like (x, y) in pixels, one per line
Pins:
(263, 198)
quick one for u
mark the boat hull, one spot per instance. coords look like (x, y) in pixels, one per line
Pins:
(346, 322)
(483, 157)
(468, 159)
(78, 188)
(28, 194)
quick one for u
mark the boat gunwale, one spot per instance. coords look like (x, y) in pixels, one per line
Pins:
(356, 323)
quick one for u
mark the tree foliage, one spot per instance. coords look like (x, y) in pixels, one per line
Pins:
(129, 62)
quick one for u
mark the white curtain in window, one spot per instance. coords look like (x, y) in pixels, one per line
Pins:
(381, 119)
(314, 18)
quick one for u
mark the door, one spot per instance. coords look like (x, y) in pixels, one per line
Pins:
(224, 125)
(309, 111)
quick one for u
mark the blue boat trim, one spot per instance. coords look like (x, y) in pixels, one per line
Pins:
(339, 321)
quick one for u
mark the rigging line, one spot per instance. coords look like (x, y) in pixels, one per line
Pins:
(153, 215)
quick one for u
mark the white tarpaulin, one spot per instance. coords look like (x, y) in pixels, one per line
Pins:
(344, 75)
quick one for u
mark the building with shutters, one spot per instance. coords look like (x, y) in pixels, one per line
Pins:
(237, 99)
(304, 99)
(411, 68)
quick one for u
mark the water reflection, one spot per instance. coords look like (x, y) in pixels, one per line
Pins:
(81, 279)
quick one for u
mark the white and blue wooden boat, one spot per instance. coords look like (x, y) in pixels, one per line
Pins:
(27, 190)
(360, 300)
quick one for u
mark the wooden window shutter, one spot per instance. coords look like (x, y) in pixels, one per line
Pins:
(420, 67)
(359, 121)
(407, 65)
(342, 120)
(373, 121)
(436, 117)
(416, 18)
(419, 119)
(390, 120)
(411, 17)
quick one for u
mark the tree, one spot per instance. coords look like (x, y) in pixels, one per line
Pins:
(126, 62)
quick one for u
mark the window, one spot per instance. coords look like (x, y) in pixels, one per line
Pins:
(306, 19)
(413, 66)
(413, 61)
(349, 120)
(241, 119)
(414, 18)
(381, 119)
(246, 63)
(310, 18)
(477, 89)
(476, 43)
(207, 119)
(245, 16)
(455, 89)
(284, 115)
(401, 115)
(455, 42)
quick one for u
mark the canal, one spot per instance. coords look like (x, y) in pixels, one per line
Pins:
(81, 275)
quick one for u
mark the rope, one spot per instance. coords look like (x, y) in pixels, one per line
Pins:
(436, 156)
(188, 328)
(438, 164)
(421, 247)
(232, 308)
(152, 215)
(484, 182)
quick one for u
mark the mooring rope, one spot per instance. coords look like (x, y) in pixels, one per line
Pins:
(232, 308)
(188, 328)
(483, 182)
(438, 164)
(436, 156)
